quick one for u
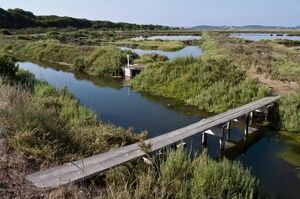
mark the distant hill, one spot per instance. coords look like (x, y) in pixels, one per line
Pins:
(256, 27)
(18, 18)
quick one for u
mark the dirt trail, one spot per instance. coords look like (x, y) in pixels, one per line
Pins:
(279, 87)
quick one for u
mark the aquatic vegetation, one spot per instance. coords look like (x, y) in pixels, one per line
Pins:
(292, 154)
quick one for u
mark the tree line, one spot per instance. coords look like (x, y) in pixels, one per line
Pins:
(19, 19)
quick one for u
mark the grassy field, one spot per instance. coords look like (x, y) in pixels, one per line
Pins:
(269, 58)
(152, 44)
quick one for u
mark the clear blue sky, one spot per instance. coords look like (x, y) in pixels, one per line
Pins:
(170, 12)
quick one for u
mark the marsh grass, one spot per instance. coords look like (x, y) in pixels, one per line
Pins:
(200, 83)
(150, 59)
(152, 44)
(181, 177)
(52, 125)
(103, 61)
(267, 57)
(289, 112)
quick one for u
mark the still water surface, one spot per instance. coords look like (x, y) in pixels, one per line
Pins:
(263, 36)
(122, 106)
(194, 51)
(168, 38)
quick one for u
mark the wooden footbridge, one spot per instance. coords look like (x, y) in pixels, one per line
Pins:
(85, 168)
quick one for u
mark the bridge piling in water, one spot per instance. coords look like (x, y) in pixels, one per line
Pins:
(246, 131)
(204, 139)
(228, 130)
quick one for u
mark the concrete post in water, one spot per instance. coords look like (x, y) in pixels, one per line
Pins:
(204, 139)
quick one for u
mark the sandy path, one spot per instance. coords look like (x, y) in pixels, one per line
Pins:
(279, 87)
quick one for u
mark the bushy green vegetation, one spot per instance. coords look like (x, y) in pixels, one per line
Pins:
(51, 125)
(201, 82)
(97, 61)
(150, 58)
(287, 42)
(18, 18)
(289, 112)
(152, 44)
(8, 68)
(52, 51)
(180, 177)
(107, 61)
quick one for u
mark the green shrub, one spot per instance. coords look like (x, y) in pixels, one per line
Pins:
(25, 78)
(106, 61)
(151, 58)
(5, 32)
(289, 112)
(223, 180)
(8, 68)
(79, 63)
(45, 90)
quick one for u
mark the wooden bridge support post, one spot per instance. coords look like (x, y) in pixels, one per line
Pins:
(204, 139)
(222, 139)
(251, 118)
(228, 127)
(246, 132)
(267, 113)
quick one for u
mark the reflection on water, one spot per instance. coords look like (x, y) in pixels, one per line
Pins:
(265, 36)
(274, 173)
(122, 106)
(168, 38)
(118, 104)
(194, 51)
